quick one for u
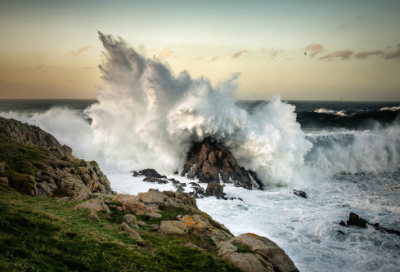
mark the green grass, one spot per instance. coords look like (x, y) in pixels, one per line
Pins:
(41, 234)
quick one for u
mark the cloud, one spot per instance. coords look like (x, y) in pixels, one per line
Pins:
(314, 48)
(345, 54)
(366, 54)
(214, 58)
(81, 50)
(164, 53)
(42, 68)
(271, 52)
(394, 54)
(237, 54)
(87, 68)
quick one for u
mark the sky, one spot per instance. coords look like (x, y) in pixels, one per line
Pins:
(50, 49)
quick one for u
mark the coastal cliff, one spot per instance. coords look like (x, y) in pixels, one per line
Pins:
(70, 219)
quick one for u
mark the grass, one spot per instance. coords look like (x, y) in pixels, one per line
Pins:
(41, 234)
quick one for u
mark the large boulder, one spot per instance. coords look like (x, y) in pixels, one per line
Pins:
(173, 227)
(210, 162)
(263, 246)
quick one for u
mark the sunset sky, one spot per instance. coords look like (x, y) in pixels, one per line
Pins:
(50, 49)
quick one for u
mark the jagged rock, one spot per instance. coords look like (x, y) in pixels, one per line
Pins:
(355, 220)
(300, 194)
(153, 197)
(138, 208)
(209, 162)
(214, 189)
(172, 227)
(263, 246)
(85, 195)
(27, 134)
(133, 234)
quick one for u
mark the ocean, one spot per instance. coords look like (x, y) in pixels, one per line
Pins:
(344, 155)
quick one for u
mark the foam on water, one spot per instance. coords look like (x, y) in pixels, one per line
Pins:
(308, 229)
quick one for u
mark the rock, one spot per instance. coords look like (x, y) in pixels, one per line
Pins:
(173, 227)
(214, 189)
(192, 246)
(83, 196)
(67, 151)
(341, 232)
(226, 248)
(263, 246)
(149, 179)
(355, 220)
(151, 173)
(141, 223)
(135, 174)
(130, 219)
(154, 215)
(133, 234)
(138, 208)
(180, 189)
(4, 180)
(107, 201)
(119, 209)
(249, 262)
(162, 181)
(63, 199)
(94, 204)
(153, 197)
(300, 194)
(209, 162)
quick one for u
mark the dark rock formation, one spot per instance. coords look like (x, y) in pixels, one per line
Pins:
(149, 173)
(31, 135)
(355, 220)
(210, 162)
(215, 189)
(300, 193)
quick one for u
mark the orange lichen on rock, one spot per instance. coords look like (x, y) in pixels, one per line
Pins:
(252, 234)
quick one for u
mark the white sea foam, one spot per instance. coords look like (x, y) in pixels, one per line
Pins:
(390, 109)
(147, 117)
(322, 110)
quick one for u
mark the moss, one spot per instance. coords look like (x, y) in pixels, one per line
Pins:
(21, 182)
(243, 248)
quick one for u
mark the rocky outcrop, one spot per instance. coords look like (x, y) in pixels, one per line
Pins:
(31, 135)
(37, 165)
(355, 220)
(210, 163)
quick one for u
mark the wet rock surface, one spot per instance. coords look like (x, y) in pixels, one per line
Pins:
(300, 194)
(210, 163)
(357, 221)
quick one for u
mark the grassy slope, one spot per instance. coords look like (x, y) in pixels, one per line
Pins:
(41, 234)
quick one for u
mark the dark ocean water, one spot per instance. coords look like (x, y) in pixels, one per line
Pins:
(312, 115)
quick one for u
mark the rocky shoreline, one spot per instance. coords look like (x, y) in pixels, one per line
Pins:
(27, 150)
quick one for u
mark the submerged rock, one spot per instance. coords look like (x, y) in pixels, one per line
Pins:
(355, 220)
(210, 163)
(300, 194)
